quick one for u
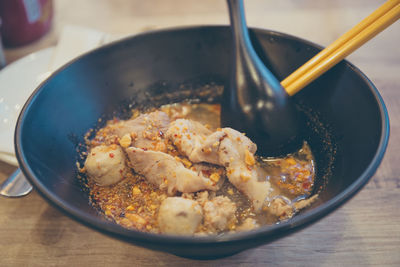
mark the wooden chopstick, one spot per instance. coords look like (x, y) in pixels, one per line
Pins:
(380, 19)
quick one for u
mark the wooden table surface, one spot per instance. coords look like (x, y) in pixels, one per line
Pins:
(365, 231)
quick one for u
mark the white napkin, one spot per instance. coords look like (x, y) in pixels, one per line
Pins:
(73, 41)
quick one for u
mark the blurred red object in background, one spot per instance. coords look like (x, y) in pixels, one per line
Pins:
(2, 57)
(25, 21)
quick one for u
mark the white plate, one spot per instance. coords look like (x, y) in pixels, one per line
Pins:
(17, 82)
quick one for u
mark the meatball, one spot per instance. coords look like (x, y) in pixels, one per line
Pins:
(106, 164)
(179, 216)
(219, 213)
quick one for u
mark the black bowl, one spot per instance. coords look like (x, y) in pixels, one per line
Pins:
(348, 118)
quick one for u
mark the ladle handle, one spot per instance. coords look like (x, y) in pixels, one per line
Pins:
(253, 79)
(238, 23)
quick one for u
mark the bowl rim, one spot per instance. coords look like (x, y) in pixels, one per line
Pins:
(298, 221)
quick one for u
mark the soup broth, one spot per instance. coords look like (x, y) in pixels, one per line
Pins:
(141, 196)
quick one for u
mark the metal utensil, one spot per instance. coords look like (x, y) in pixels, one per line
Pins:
(16, 185)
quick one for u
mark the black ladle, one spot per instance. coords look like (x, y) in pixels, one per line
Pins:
(255, 102)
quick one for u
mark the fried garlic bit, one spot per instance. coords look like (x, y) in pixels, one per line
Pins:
(125, 141)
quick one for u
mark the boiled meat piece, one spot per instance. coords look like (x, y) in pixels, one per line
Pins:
(190, 139)
(208, 150)
(301, 204)
(179, 216)
(281, 208)
(236, 153)
(146, 131)
(167, 172)
(106, 164)
(213, 172)
(225, 147)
